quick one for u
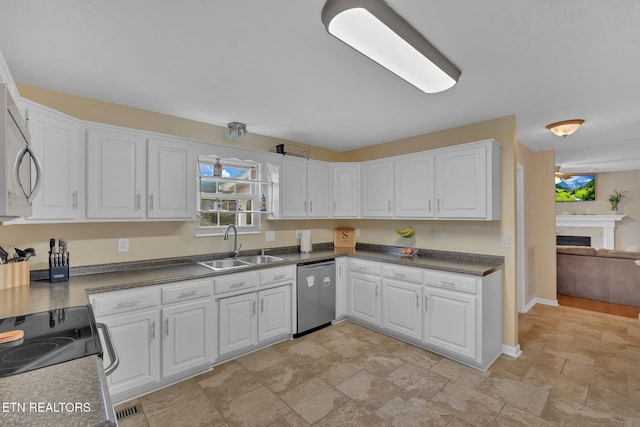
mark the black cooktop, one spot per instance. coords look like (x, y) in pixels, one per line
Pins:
(50, 337)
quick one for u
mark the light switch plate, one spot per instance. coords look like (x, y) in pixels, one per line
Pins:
(269, 236)
(298, 234)
(504, 242)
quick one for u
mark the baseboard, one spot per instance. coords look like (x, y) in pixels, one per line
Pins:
(513, 351)
(534, 301)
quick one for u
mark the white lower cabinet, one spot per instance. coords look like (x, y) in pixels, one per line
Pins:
(402, 308)
(238, 326)
(249, 320)
(161, 334)
(456, 315)
(274, 318)
(136, 337)
(364, 298)
(450, 321)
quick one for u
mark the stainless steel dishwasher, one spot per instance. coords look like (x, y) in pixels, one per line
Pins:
(316, 301)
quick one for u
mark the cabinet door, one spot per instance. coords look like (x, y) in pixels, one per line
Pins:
(186, 341)
(293, 188)
(274, 319)
(364, 298)
(170, 179)
(346, 191)
(238, 323)
(450, 321)
(414, 187)
(56, 141)
(319, 190)
(401, 308)
(377, 189)
(115, 174)
(461, 183)
(136, 338)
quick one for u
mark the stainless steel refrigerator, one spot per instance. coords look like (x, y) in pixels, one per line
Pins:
(316, 296)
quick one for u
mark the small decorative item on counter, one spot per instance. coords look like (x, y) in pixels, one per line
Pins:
(217, 206)
(263, 204)
(231, 205)
(217, 168)
(239, 206)
(58, 261)
(253, 173)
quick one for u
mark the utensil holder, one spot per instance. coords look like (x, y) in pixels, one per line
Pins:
(58, 273)
(14, 274)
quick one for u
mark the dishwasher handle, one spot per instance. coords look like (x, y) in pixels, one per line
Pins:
(307, 267)
(113, 355)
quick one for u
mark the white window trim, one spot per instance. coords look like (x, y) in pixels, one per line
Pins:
(211, 231)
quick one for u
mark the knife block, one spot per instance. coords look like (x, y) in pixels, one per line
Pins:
(14, 274)
(58, 273)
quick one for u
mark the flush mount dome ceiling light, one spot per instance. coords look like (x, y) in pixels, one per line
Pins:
(565, 128)
(378, 32)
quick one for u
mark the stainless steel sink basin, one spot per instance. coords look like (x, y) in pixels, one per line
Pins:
(225, 264)
(230, 263)
(261, 259)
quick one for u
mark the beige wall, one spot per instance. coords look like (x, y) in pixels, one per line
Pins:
(628, 230)
(96, 243)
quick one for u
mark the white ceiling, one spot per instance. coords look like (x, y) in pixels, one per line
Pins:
(271, 65)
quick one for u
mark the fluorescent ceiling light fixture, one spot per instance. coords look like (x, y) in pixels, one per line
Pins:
(237, 131)
(566, 127)
(378, 32)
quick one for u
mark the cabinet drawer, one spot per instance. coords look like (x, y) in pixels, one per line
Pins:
(234, 282)
(367, 267)
(457, 282)
(278, 274)
(187, 291)
(402, 273)
(124, 301)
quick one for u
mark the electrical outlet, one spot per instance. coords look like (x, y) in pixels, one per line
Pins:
(269, 236)
(357, 232)
(504, 242)
(434, 237)
(298, 234)
(445, 238)
(123, 245)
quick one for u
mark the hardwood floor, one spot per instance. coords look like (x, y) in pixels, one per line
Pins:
(601, 307)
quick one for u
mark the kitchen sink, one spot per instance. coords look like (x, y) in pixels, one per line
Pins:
(225, 264)
(261, 259)
(230, 263)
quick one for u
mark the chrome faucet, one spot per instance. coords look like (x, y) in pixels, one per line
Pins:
(236, 249)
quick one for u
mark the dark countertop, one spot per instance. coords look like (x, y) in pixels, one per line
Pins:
(67, 394)
(43, 296)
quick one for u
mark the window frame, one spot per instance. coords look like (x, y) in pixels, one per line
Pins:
(254, 186)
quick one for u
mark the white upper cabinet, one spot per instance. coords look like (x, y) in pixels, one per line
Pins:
(414, 187)
(468, 181)
(346, 190)
(318, 189)
(377, 188)
(293, 188)
(305, 189)
(115, 174)
(170, 169)
(57, 141)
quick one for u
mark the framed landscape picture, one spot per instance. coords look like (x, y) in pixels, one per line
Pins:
(575, 188)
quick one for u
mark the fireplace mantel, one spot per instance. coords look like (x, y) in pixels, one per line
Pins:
(606, 222)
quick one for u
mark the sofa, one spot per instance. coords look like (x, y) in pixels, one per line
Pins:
(601, 275)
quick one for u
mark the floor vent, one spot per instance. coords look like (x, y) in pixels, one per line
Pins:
(129, 412)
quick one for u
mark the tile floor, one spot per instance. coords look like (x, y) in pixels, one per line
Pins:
(578, 368)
